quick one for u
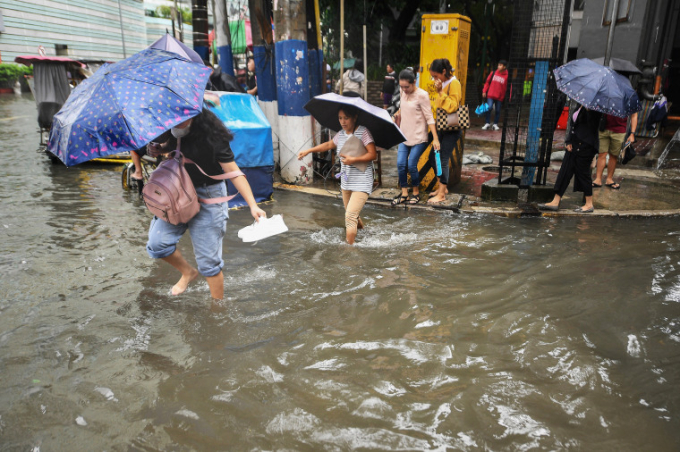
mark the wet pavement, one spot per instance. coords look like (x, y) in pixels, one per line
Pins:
(644, 192)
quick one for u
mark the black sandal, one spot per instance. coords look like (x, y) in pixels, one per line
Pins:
(399, 199)
(415, 199)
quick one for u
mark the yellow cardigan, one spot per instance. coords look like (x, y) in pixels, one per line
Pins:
(450, 99)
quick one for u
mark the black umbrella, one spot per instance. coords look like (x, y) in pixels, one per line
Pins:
(385, 132)
(624, 67)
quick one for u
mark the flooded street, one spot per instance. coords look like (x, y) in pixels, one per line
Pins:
(436, 332)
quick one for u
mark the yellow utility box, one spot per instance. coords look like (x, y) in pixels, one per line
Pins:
(443, 36)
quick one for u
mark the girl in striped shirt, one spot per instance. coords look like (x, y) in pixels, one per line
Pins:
(356, 185)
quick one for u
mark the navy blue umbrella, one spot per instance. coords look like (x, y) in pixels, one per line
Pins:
(597, 88)
(125, 105)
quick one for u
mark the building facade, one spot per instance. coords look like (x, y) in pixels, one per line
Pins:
(107, 30)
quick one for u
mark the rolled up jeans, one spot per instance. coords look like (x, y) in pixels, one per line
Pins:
(407, 163)
(354, 201)
(207, 230)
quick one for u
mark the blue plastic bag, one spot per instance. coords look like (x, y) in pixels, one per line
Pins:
(483, 108)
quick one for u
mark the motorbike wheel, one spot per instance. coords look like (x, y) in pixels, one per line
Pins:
(125, 177)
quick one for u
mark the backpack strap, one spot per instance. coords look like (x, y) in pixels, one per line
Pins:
(225, 176)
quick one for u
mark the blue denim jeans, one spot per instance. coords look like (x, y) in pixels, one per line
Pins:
(491, 103)
(207, 229)
(407, 163)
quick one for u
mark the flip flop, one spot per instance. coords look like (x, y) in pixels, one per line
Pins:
(596, 185)
(582, 210)
(614, 186)
(432, 195)
(399, 200)
(415, 199)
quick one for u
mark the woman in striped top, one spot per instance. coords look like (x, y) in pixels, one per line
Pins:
(356, 184)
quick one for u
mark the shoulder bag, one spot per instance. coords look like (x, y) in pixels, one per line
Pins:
(459, 119)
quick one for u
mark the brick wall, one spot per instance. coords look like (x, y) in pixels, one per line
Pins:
(374, 88)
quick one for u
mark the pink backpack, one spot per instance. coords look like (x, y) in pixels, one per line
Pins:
(170, 195)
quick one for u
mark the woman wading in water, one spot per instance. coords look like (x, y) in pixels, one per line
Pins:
(356, 184)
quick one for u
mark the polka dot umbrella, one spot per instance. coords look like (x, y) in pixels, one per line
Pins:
(597, 88)
(127, 104)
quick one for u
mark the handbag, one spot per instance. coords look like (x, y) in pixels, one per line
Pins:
(353, 147)
(627, 153)
(459, 119)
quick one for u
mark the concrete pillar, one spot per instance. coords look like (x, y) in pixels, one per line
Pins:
(292, 90)
(264, 56)
(223, 38)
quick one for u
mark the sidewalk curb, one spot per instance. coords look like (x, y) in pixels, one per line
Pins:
(458, 205)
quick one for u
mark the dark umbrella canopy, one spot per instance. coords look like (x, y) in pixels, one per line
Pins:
(597, 88)
(624, 67)
(125, 105)
(385, 132)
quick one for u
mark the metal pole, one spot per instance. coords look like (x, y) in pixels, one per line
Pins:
(365, 68)
(380, 48)
(610, 36)
(342, 42)
(122, 33)
(210, 50)
(317, 16)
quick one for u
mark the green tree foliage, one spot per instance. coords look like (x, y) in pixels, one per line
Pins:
(165, 11)
(10, 73)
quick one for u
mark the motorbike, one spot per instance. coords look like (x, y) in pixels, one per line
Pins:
(395, 103)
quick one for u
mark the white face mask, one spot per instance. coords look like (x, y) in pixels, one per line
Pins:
(179, 133)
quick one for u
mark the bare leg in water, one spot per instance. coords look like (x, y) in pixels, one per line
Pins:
(188, 272)
(137, 161)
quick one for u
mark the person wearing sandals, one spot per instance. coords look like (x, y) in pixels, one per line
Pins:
(355, 184)
(612, 138)
(582, 144)
(414, 118)
(447, 98)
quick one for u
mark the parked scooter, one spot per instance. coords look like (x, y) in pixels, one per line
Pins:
(395, 104)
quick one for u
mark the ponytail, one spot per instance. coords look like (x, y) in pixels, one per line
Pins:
(442, 66)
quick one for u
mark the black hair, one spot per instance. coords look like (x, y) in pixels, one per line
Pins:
(442, 66)
(210, 126)
(358, 64)
(349, 110)
(503, 62)
(408, 75)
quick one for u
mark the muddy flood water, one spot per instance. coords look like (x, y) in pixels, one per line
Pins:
(436, 332)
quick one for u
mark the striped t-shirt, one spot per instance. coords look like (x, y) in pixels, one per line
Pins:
(352, 178)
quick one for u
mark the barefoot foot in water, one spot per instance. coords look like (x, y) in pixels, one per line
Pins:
(184, 281)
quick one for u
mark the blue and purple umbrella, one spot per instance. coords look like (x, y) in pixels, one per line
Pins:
(171, 44)
(597, 88)
(125, 105)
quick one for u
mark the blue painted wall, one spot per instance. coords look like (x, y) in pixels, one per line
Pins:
(292, 75)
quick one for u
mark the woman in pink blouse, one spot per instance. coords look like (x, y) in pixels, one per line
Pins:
(414, 118)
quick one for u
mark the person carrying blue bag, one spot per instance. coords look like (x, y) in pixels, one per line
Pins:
(494, 93)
